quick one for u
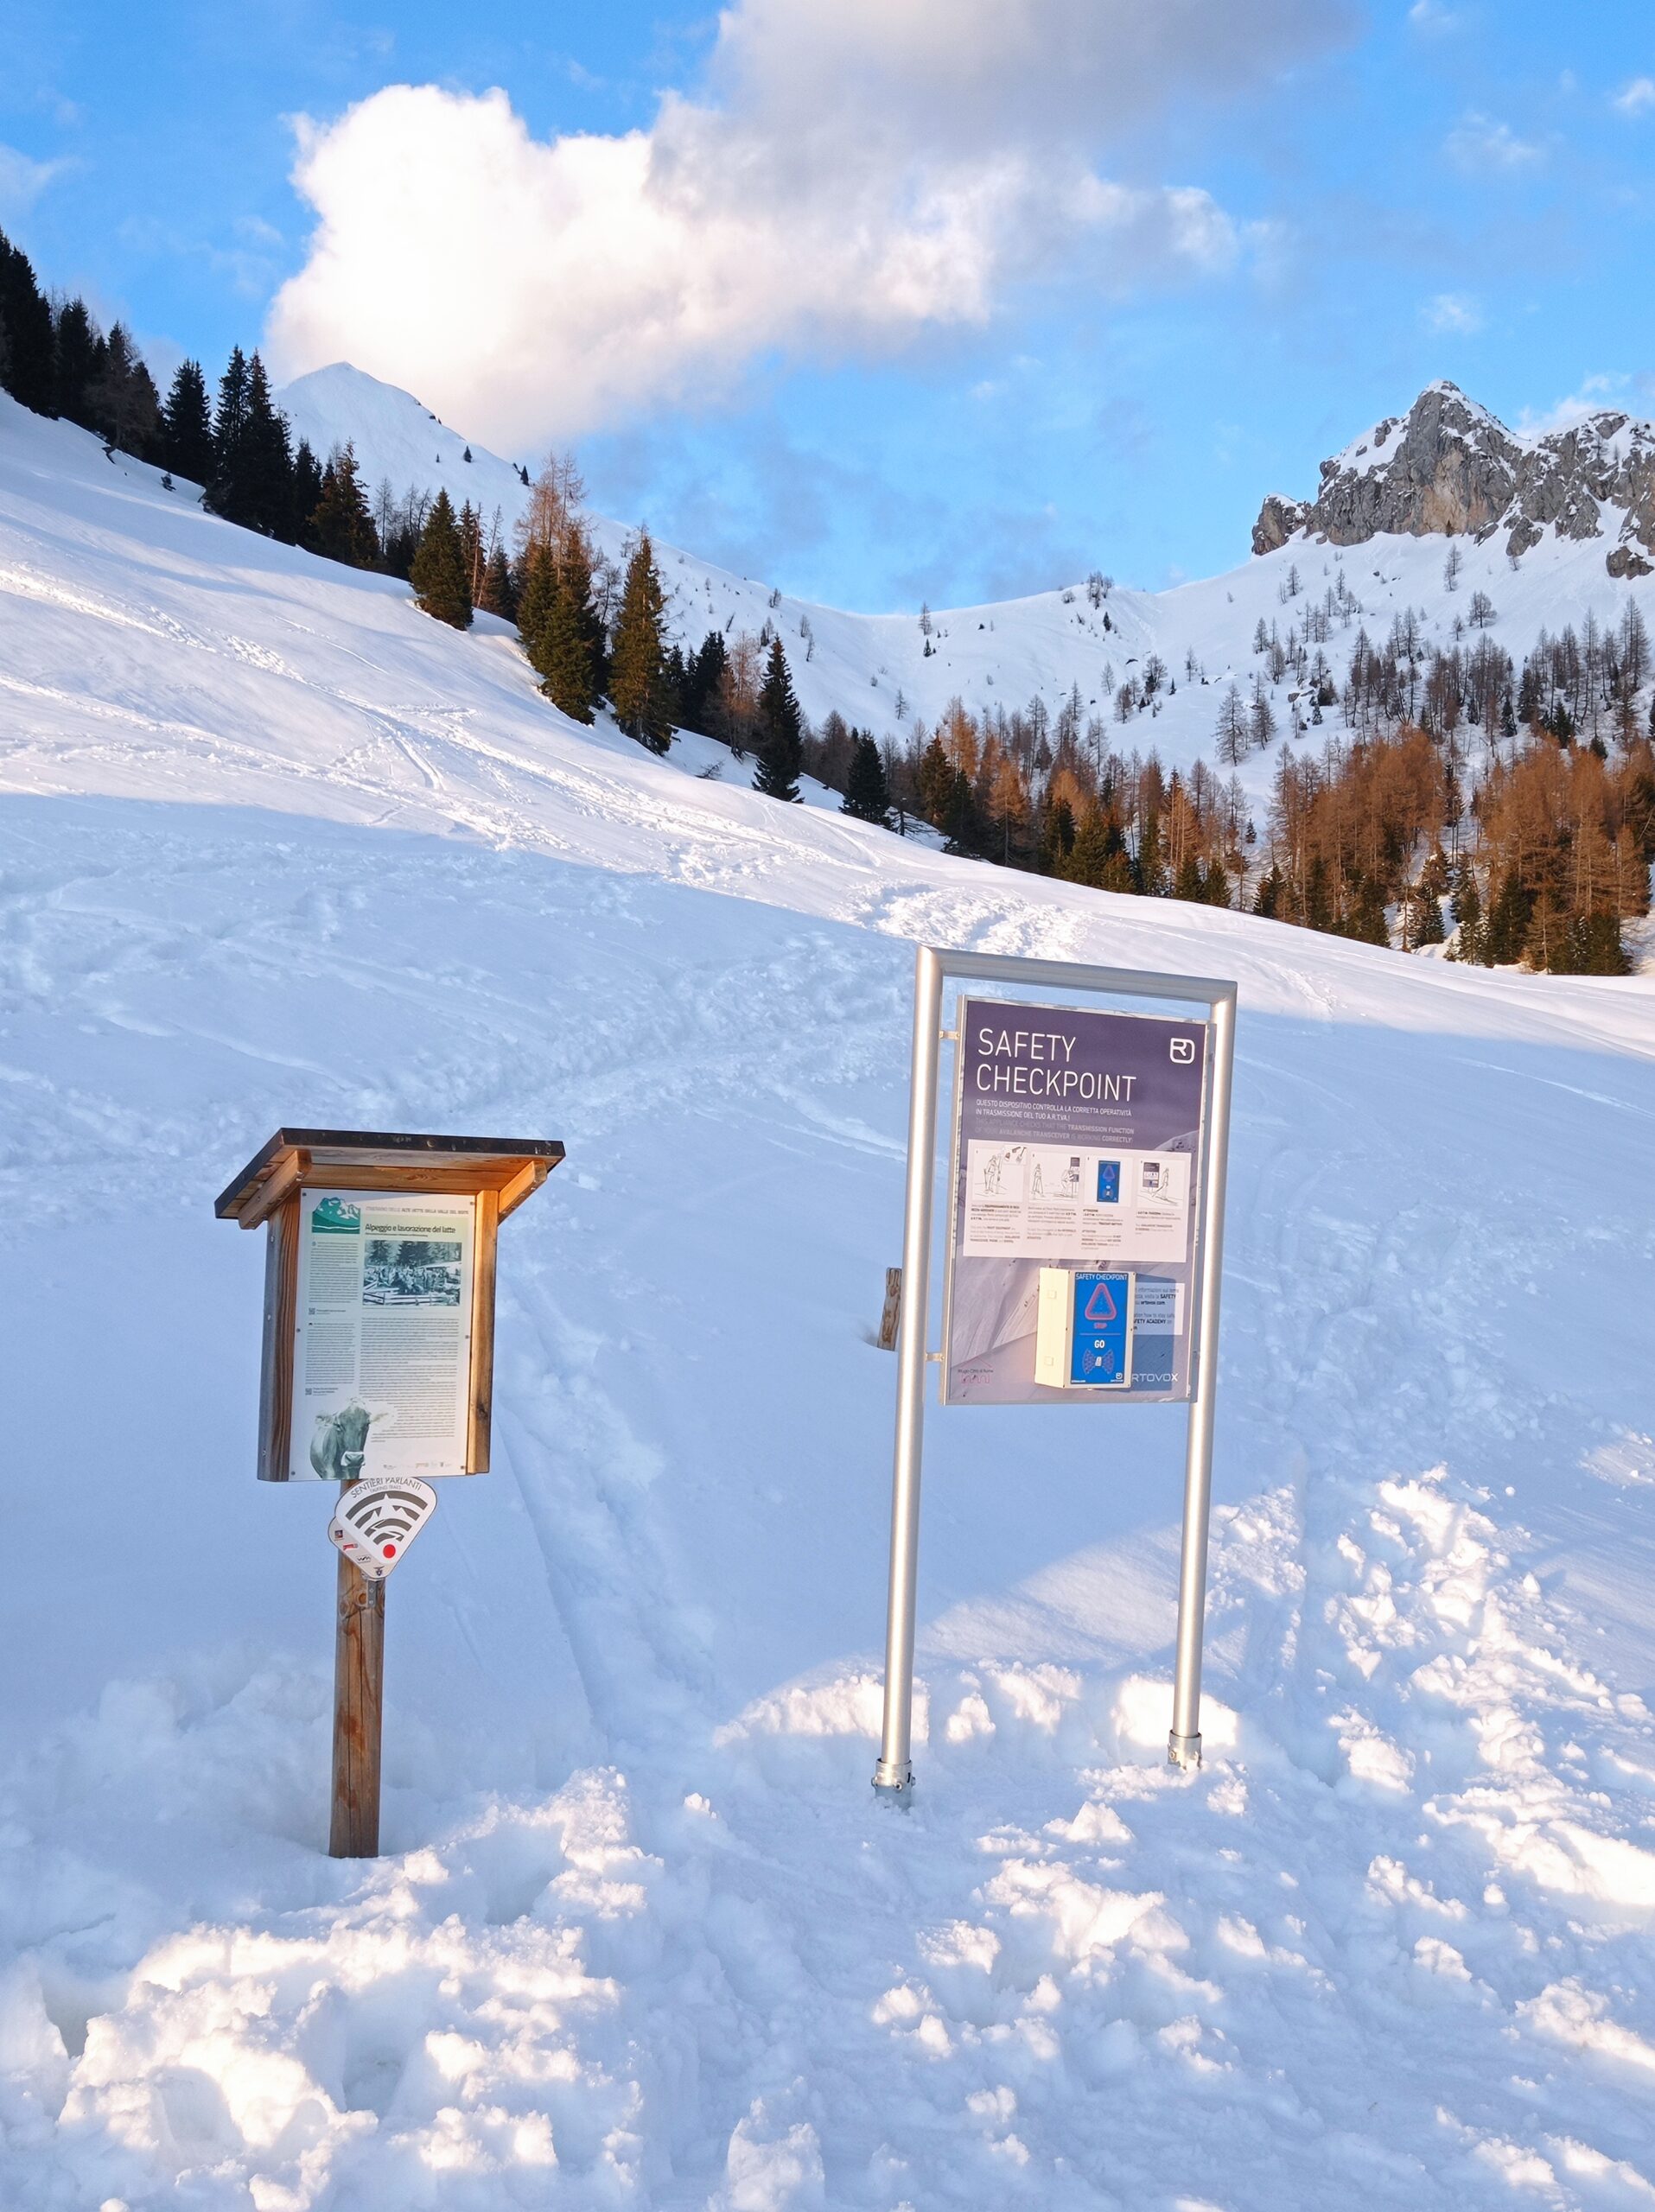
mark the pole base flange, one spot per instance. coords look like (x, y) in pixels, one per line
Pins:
(894, 1786)
(1183, 1750)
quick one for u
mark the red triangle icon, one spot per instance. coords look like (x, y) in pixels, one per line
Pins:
(1108, 1311)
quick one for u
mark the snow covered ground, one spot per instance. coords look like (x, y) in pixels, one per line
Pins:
(275, 848)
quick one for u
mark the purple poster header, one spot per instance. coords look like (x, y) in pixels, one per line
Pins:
(1072, 1073)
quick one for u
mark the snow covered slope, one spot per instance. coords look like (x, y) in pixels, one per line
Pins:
(1007, 654)
(274, 848)
(398, 441)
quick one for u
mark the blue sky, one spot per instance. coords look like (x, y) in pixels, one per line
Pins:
(882, 301)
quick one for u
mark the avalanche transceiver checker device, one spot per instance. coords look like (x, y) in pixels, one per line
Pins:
(1084, 1331)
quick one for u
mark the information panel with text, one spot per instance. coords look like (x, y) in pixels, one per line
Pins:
(382, 1356)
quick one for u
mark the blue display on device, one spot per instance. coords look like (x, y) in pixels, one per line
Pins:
(1109, 1182)
(1100, 1343)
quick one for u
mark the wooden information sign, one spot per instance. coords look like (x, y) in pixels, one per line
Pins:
(378, 1355)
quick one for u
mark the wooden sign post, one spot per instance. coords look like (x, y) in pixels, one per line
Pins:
(378, 1358)
(359, 1710)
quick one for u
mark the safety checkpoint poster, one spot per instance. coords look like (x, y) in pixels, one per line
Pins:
(1077, 1143)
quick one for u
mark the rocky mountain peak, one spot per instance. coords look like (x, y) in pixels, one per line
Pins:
(1450, 468)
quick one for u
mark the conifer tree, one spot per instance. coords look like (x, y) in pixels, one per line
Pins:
(496, 596)
(538, 590)
(1506, 929)
(960, 832)
(675, 676)
(76, 359)
(1427, 917)
(99, 361)
(439, 570)
(186, 423)
(1233, 737)
(780, 746)
(1366, 920)
(1261, 718)
(266, 461)
(1595, 946)
(1547, 947)
(550, 625)
(1089, 856)
(866, 791)
(340, 526)
(471, 548)
(703, 684)
(229, 431)
(27, 351)
(576, 577)
(1467, 909)
(1152, 862)
(566, 676)
(1002, 794)
(1189, 882)
(310, 483)
(638, 663)
(324, 491)
(1057, 832)
(121, 399)
(935, 788)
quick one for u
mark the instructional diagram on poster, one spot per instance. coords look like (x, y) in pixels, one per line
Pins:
(1042, 1201)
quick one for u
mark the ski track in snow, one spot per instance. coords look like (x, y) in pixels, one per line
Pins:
(641, 1937)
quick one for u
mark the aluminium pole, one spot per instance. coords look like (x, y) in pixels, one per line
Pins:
(1184, 1744)
(893, 1775)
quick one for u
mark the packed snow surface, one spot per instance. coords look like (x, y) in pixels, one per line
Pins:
(277, 849)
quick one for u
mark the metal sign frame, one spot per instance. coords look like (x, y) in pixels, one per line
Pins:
(933, 966)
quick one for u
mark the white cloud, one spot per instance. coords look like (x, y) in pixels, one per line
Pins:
(1637, 98)
(1433, 19)
(1481, 144)
(853, 173)
(1594, 395)
(23, 181)
(1454, 314)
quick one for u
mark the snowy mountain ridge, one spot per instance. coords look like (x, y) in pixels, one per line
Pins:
(1450, 468)
(1444, 475)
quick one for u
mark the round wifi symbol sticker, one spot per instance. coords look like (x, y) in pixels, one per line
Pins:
(377, 1520)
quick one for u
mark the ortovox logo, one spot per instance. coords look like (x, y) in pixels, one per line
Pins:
(1183, 1048)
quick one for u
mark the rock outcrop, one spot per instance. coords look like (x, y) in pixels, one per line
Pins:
(1448, 469)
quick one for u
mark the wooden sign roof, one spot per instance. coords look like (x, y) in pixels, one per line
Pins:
(359, 1159)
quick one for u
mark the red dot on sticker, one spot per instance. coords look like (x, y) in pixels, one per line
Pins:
(391, 1551)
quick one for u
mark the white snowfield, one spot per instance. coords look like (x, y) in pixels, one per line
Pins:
(277, 849)
(875, 669)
